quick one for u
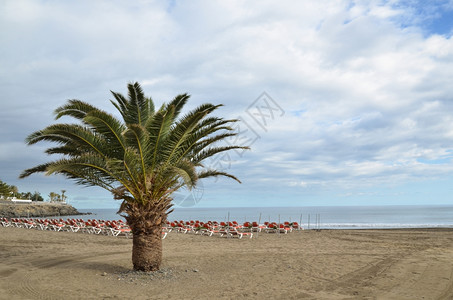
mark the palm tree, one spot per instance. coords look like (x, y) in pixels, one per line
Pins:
(53, 196)
(141, 159)
(14, 191)
(26, 195)
(63, 196)
(37, 196)
(4, 189)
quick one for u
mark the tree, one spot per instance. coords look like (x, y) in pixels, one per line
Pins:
(14, 191)
(25, 195)
(141, 159)
(36, 196)
(63, 196)
(4, 189)
(7, 191)
(53, 197)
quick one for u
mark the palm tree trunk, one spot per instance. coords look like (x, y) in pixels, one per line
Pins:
(146, 221)
(147, 250)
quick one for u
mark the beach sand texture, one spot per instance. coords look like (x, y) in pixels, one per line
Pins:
(330, 264)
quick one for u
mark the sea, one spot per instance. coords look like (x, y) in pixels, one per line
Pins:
(312, 217)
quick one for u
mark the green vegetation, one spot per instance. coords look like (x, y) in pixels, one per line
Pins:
(55, 197)
(7, 191)
(141, 159)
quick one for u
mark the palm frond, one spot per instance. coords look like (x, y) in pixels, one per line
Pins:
(69, 134)
(137, 105)
(178, 103)
(209, 152)
(187, 168)
(151, 107)
(74, 108)
(120, 104)
(137, 138)
(215, 173)
(132, 163)
(158, 129)
(109, 128)
(68, 149)
(137, 108)
(183, 129)
(38, 169)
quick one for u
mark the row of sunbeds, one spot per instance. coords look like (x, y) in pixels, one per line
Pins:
(114, 228)
(232, 229)
(120, 228)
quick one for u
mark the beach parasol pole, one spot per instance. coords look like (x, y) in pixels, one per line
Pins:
(259, 224)
(317, 222)
(300, 222)
(228, 226)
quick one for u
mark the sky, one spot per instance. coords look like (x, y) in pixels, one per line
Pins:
(341, 102)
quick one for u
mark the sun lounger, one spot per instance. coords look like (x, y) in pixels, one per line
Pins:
(16, 222)
(179, 227)
(210, 230)
(271, 228)
(72, 225)
(92, 227)
(56, 225)
(117, 231)
(233, 232)
(5, 222)
(28, 223)
(296, 226)
(42, 224)
(283, 229)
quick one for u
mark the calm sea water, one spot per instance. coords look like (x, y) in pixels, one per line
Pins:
(326, 217)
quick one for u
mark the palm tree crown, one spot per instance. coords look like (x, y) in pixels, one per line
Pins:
(141, 159)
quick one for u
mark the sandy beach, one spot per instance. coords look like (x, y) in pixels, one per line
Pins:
(329, 264)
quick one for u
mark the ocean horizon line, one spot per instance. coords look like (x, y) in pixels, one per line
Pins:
(292, 206)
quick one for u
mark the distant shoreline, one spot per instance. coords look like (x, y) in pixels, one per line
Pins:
(36, 210)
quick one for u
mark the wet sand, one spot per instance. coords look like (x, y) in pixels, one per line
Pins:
(330, 264)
